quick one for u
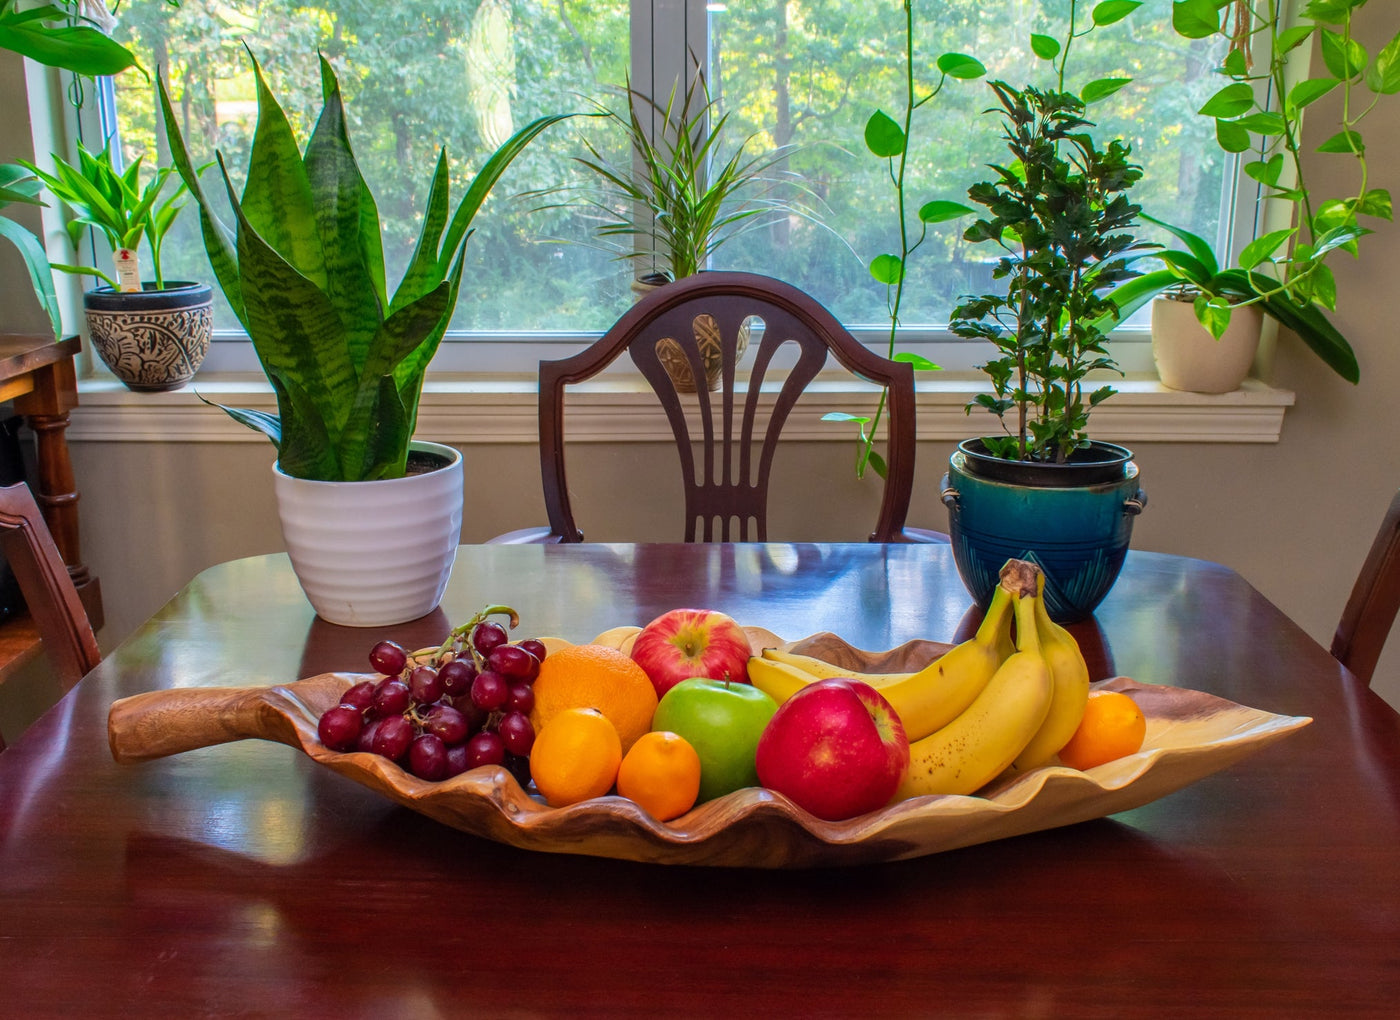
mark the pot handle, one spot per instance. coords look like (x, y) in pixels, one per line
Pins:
(949, 495)
(1135, 506)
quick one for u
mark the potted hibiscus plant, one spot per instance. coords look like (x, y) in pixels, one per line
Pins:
(1041, 489)
(371, 516)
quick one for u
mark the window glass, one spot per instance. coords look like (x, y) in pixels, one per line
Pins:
(419, 74)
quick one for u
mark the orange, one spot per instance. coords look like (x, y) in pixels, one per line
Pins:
(594, 676)
(662, 774)
(1113, 726)
(575, 757)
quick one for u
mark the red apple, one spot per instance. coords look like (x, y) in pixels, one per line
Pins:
(836, 748)
(686, 643)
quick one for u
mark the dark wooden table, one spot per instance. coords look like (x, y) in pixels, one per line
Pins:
(244, 879)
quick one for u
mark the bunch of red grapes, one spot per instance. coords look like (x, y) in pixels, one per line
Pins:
(468, 705)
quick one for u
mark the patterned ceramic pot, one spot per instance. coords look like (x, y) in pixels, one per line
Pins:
(1075, 528)
(152, 339)
(707, 338)
(372, 554)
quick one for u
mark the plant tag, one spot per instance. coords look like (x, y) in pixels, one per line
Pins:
(128, 270)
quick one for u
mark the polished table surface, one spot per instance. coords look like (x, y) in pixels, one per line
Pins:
(244, 879)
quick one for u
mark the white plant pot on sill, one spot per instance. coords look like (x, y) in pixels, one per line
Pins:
(372, 554)
(1189, 358)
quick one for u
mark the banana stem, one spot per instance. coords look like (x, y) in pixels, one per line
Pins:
(1019, 577)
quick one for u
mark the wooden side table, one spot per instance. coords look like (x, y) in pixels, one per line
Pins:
(37, 373)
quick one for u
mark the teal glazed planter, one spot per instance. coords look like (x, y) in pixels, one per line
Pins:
(1072, 520)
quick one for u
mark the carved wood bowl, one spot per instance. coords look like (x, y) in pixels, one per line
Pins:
(1190, 735)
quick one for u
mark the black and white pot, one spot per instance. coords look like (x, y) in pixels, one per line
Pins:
(1073, 520)
(373, 554)
(151, 339)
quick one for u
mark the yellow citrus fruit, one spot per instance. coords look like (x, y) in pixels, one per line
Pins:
(594, 676)
(1113, 726)
(575, 757)
(661, 773)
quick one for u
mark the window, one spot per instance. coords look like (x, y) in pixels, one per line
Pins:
(419, 74)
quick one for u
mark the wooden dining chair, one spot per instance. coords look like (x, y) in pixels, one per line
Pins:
(53, 603)
(1375, 599)
(736, 427)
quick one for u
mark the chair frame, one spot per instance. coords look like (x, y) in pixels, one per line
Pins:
(788, 315)
(53, 601)
(1375, 599)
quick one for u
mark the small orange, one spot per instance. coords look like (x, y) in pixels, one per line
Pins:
(662, 774)
(595, 676)
(1113, 726)
(575, 757)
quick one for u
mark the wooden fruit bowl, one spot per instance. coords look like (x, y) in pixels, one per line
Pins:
(1189, 736)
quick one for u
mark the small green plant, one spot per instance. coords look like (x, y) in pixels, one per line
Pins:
(1195, 273)
(115, 204)
(46, 34)
(1260, 112)
(1061, 212)
(889, 139)
(303, 269)
(678, 198)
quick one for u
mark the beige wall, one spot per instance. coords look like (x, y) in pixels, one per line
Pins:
(1294, 518)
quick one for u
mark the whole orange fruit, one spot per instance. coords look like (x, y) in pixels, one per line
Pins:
(1113, 727)
(575, 757)
(595, 676)
(662, 774)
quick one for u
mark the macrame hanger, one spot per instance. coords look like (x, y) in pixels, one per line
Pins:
(1241, 31)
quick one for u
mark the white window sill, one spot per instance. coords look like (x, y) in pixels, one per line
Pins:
(464, 409)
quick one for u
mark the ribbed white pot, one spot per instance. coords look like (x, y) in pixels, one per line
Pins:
(1189, 358)
(372, 554)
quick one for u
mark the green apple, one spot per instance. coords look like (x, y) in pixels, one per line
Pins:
(722, 721)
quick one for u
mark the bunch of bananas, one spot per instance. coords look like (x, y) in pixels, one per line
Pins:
(987, 705)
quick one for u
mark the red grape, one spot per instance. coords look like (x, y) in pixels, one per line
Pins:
(535, 647)
(392, 698)
(513, 662)
(457, 676)
(486, 748)
(340, 727)
(456, 760)
(366, 741)
(490, 691)
(388, 658)
(516, 733)
(487, 635)
(392, 738)
(425, 684)
(361, 695)
(445, 722)
(427, 757)
(522, 698)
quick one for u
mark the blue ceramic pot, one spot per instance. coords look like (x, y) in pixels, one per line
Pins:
(1077, 532)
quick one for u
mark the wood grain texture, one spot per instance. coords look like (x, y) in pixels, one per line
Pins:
(248, 879)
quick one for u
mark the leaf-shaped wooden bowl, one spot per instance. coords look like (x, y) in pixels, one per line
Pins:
(1189, 736)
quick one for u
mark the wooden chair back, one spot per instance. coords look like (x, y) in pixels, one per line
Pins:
(735, 430)
(53, 603)
(1375, 598)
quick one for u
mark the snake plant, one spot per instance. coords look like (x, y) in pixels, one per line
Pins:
(303, 270)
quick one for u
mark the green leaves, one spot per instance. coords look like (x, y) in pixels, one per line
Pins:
(1101, 88)
(887, 269)
(42, 35)
(1195, 19)
(1344, 58)
(961, 66)
(1261, 248)
(1110, 11)
(942, 211)
(304, 269)
(883, 136)
(1233, 100)
(1383, 77)
(1045, 47)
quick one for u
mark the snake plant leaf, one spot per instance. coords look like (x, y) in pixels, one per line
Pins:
(277, 199)
(218, 239)
(259, 421)
(347, 221)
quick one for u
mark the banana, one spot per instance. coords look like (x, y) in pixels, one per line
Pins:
(820, 669)
(778, 680)
(925, 700)
(1071, 676)
(973, 749)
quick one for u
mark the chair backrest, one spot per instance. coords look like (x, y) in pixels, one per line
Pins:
(737, 431)
(52, 600)
(1374, 601)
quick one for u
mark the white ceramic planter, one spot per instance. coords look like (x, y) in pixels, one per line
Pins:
(372, 554)
(1189, 358)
